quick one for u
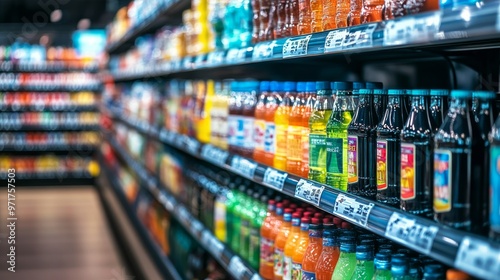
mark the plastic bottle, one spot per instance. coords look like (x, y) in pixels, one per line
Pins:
(290, 246)
(204, 98)
(281, 118)
(255, 21)
(266, 267)
(280, 242)
(300, 249)
(399, 267)
(248, 111)
(362, 147)
(372, 11)
(313, 250)
(273, 101)
(317, 137)
(310, 103)
(220, 214)
(382, 266)
(260, 121)
(329, 14)
(316, 7)
(336, 142)
(293, 17)
(414, 269)
(343, 9)
(439, 105)
(236, 218)
(452, 164)
(389, 150)
(365, 268)
(347, 259)
(329, 256)
(379, 103)
(417, 167)
(354, 16)
(280, 30)
(304, 25)
(273, 20)
(235, 118)
(245, 215)
(265, 13)
(259, 209)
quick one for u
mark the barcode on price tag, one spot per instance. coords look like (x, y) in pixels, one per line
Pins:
(309, 191)
(359, 37)
(274, 178)
(414, 235)
(334, 40)
(296, 46)
(214, 155)
(263, 50)
(243, 166)
(236, 267)
(352, 210)
(478, 256)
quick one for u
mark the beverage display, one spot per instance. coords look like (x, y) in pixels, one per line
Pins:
(279, 244)
(266, 268)
(290, 245)
(281, 121)
(300, 249)
(347, 259)
(313, 250)
(365, 268)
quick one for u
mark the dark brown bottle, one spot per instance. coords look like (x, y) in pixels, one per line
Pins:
(439, 105)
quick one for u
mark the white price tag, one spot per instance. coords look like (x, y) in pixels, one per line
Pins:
(425, 28)
(176, 65)
(478, 256)
(243, 166)
(214, 155)
(309, 191)
(171, 137)
(296, 46)
(274, 178)
(200, 59)
(414, 235)
(192, 146)
(186, 62)
(236, 267)
(164, 135)
(352, 210)
(334, 40)
(359, 37)
(263, 50)
(397, 32)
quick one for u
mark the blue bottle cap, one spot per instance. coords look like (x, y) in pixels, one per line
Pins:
(457, 93)
(419, 92)
(301, 86)
(433, 271)
(358, 85)
(373, 85)
(365, 91)
(289, 86)
(252, 85)
(342, 86)
(322, 85)
(379, 91)
(235, 86)
(396, 92)
(264, 85)
(347, 244)
(274, 86)
(439, 92)
(364, 252)
(310, 86)
(488, 95)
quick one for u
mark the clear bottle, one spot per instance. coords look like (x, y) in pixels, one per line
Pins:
(417, 167)
(304, 25)
(439, 105)
(343, 9)
(453, 146)
(336, 142)
(382, 266)
(389, 150)
(295, 129)
(347, 259)
(399, 267)
(281, 120)
(316, 15)
(317, 137)
(329, 13)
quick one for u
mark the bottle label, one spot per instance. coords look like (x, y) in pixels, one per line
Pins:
(294, 142)
(317, 150)
(235, 134)
(278, 262)
(259, 134)
(495, 187)
(287, 268)
(266, 251)
(442, 180)
(253, 253)
(381, 165)
(305, 144)
(407, 171)
(248, 130)
(352, 159)
(281, 139)
(335, 155)
(270, 138)
(296, 271)
(307, 275)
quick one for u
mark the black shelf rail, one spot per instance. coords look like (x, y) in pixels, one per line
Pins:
(467, 28)
(233, 263)
(47, 67)
(477, 255)
(46, 147)
(50, 88)
(48, 108)
(50, 127)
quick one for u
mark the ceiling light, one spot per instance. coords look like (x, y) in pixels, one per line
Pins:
(84, 23)
(56, 15)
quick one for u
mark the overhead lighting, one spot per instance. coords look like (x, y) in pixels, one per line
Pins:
(44, 40)
(84, 23)
(56, 15)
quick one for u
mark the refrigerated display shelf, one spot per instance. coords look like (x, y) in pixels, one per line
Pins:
(233, 263)
(79, 174)
(49, 127)
(466, 28)
(53, 88)
(477, 255)
(72, 108)
(46, 148)
(46, 67)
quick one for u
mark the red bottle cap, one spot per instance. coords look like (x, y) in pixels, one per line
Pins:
(308, 214)
(318, 215)
(296, 215)
(327, 220)
(286, 202)
(315, 221)
(293, 206)
(337, 221)
(279, 205)
(305, 220)
(288, 210)
(271, 202)
(311, 209)
(346, 225)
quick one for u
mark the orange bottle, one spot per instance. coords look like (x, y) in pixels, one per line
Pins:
(329, 14)
(266, 269)
(281, 118)
(329, 255)
(316, 15)
(313, 250)
(280, 242)
(372, 11)
(343, 9)
(304, 25)
(291, 243)
(260, 122)
(355, 12)
(272, 103)
(300, 249)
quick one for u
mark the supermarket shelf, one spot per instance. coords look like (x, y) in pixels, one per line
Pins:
(46, 67)
(49, 127)
(51, 88)
(441, 31)
(79, 174)
(46, 148)
(238, 268)
(72, 108)
(169, 13)
(474, 254)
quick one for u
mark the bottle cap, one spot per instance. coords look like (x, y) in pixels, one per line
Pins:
(358, 85)
(296, 215)
(289, 86)
(396, 92)
(346, 225)
(439, 92)
(318, 215)
(337, 221)
(286, 202)
(403, 251)
(256, 196)
(301, 86)
(385, 251)
(342, 86)
(293, 206)
(364, 252)
(373, 85)
(235, 86)
(365, 91)
(434, 271)
(385, 247)
(310, 86)
(264, 199)
(488, 95)
(250, 192)
(327, 220)
(289, 210)
(279, 205)
(322, 85)
(379, 91)
(251, 85)
(308, 214)
(399, 259)
(315, 221)
(453, 274)
(264, 85)
(305, 220)
(274, 86)
(461, 93)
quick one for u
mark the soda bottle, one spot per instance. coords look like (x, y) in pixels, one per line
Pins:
(452, 164)
(417, 167)
(300, 250)
(362, 147)
(266, 267)
(255, 20)
(310, 103)
(347, 259)
(280, 30)
(248, 111)
(372, 11)
(218, 115)
(399, 267)
(235, 118)
(293, 17)
(343, 8)
(389, 150)
(304, 26)
(265, 14)
(317, 137)
(365, 269)
(260, 121)
(291, 243)
(231, 201)
(245, 215)
(259, 209)
(273, 20)
(220, 214)
(379, 102)
(439, 105)
(356, 86)
(280, 242)
(236, 218)
(336, 142)
(316, 7)
(273, 101)
(329, 256)
(313, 250)
(414, 269)
(382, 266)
(484, 120)
(281, 118)
(329, 13)
(354, 16)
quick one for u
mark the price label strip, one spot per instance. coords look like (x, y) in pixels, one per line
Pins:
(398, 32)
(352, 210)
(359, 37)
(425, 28)
(263, 50)
(206, 238)
(243, 166)
(309, 191)
(479, 257)
(186, 63)
(197, 227)
(236, 267)
(192, 146)
(334, 40)
(200, 59)
(215, 58)
(414, 235)
(215, 247)
(214, 155)
(296, 46)
(274, 178)
(232, 56)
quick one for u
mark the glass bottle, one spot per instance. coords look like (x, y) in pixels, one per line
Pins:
(365, 268)
(439, 105)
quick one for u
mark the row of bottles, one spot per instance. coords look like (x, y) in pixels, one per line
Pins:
(52, 138)
(17, 120)
(47, 99)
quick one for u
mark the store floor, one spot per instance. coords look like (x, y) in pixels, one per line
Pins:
(61, 233)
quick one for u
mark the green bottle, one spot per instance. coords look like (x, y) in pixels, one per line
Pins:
(246, 215)
(317, 135)
(231, 202)
(236, 216)
(260, 211)
(347, 259)
(365, 269)
(382, 266)
(336, 141)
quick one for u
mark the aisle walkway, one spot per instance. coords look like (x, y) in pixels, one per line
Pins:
(61, 233)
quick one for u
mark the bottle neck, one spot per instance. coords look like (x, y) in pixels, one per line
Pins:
(459, 105)
(419, 103)
(485, 106)
(394, 100)
(315, 235)
(343, 102)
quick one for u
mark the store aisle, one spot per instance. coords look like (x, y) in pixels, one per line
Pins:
(61, 233)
